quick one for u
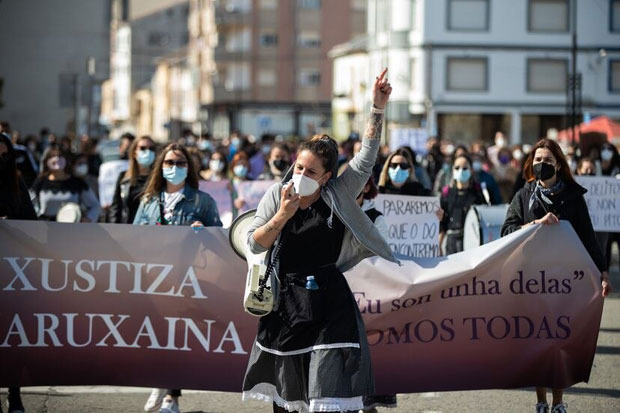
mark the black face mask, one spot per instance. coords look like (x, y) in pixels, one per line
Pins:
(543, 171)
(280, 164)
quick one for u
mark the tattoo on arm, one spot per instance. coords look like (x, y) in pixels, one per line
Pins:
(374, 126)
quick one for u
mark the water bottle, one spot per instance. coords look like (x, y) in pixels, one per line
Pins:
(311, 283)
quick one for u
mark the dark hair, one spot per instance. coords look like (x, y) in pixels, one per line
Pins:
(373, 191)
(10, 178)
(223, 159)
(281, 146)
(156, 180)
(54, 147)
(134, 169)
(326, 149)
(564, 172)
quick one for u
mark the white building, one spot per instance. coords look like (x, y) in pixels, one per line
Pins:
(467, 68)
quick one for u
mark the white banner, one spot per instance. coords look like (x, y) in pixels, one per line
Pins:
(413, 226)
(603, 199)
(108, 175)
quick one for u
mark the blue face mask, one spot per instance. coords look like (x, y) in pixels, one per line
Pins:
(145, 157)
(241, 171)
(398, 175)
(461, 175)
(175, 175)
(205, 145)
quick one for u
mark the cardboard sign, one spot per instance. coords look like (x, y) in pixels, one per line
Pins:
(413, 226)
(603, 199)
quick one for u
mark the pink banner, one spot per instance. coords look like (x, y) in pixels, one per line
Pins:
(110, 304)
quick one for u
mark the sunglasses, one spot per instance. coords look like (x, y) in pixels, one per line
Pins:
(403, 165)
(170, 163)
(456, 168)
(145, 148)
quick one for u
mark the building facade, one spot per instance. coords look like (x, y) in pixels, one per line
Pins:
(52, 76)
(142, 32)
(273, 73)
(464, 69)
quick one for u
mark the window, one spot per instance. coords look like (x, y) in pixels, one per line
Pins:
(309, 39)
(266, 77)
(239, 40)
(158, 39)
(548, 16)
(468, 15)
(359, 5)
(269, 39)
(237, 77)
(309, 4)
(547, 76)
(614, 16)
(467, 74)
(309, 77)
(614, 76)
(269, 4)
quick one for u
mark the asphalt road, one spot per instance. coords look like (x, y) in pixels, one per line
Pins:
(601, 394)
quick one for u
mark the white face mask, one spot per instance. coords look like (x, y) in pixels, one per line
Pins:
(304, 186)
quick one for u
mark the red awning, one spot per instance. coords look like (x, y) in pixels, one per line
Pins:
(600, 124)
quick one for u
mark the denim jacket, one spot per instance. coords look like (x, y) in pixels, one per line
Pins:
(195, 206)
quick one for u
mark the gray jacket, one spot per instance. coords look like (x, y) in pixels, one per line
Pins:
(361, 239)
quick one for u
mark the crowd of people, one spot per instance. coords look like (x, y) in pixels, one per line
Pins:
(159, 185)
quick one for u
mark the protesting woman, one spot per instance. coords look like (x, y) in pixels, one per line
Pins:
(398, 176)
(455, 201)
(172, 197)
(130, 184)
(56, 186)
(549, 195)
(311, 352)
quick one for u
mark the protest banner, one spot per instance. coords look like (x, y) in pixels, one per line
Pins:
(108, 175)
(221, 192)
(413, 226)
(251, 192)
(412, 137)
(603, 199)
(93, 304)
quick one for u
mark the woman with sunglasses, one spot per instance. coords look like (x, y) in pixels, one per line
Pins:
(172, 197)
(131, 183)
(455, 201)
(398, 176)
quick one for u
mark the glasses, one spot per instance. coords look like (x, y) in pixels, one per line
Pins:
(403, 165)
(169, 163)
(145, 148)
(456, 168)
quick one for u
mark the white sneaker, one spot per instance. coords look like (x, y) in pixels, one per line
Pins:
(559, 408)
(153, 404)
(169, 406)
(542, 408)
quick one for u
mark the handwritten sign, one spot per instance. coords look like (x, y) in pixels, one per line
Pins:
(603, 199)
(413, 226)
(414, 138)
(220, 191)
(108, 175)
(252, 192)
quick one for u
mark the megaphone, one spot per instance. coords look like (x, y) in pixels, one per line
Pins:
(258, 298)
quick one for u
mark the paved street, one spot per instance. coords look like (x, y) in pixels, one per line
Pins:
(602, 394)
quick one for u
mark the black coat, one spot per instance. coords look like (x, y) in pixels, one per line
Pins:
(409, 188)
(126, 199)
(568, 205)
(16, 206)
